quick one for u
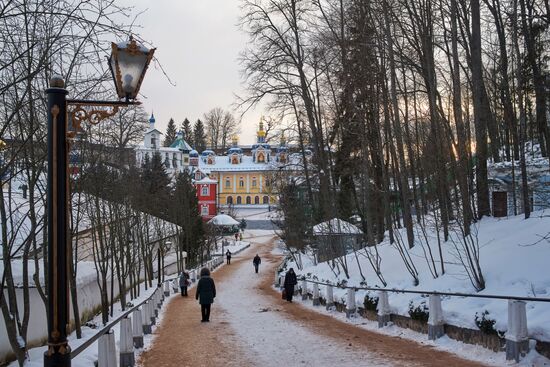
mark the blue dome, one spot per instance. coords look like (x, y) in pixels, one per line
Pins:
(193, 153)
(235, 150)
(207, 152)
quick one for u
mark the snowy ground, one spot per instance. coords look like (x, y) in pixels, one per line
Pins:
(89, 355)
(514, 260)
(284, 343)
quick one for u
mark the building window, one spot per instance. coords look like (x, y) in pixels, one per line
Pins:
(266, 199)
(227, 182)
(167, 161)
(229, 200)
(241, 182)
(239, 200)
(153, 142)
(204, 191)
(254, 182)
(248, 201)
(261, 157)
(256, 200)
(174, 161)
(186, 160)
(204, 210)
(197, 175)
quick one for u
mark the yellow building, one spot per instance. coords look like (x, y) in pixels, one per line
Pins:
(244, 179)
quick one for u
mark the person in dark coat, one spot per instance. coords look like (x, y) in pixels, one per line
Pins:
(205, 294)
(228, 257)
(184, 282)
(290, 282)
(257, 261)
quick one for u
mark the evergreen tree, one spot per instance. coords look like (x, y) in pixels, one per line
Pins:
(187, 132)
(155, 185)
(199, 136)
(171, 133)
(186, 215)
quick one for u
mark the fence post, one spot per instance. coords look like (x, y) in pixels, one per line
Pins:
(383, 308)
(146, 315)
(175, 284)
(160, 298)
(330, 298)
(166, 288)
(126, 344)
(316, 301)
(106, 350)
(350, 304)
(137, 329)
(304, 289)
(435, 319)
(517, 342)
(193, 275)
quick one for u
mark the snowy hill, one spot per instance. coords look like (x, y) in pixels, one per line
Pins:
(514, 257)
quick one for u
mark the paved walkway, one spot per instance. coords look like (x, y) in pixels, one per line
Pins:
(251, 326)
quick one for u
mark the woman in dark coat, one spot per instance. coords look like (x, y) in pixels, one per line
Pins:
(290, 282)
(206, 292)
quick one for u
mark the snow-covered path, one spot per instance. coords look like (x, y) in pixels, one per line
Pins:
(251, 326)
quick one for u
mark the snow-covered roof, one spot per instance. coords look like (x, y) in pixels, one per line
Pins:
(336, 226)
(222, 164)
(206, 180)
(223, 220)
(181, 145)
(153, 129)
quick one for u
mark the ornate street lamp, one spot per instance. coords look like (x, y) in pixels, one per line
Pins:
(130, 62)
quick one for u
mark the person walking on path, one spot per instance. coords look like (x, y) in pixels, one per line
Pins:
(240, 236)
(236, 236)
(205, 294)
(228, 257)
(290, 282)
(184, 282)
(257, 261)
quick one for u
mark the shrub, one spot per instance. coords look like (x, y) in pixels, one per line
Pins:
(487, 324)
(370, 303)
(419, 312)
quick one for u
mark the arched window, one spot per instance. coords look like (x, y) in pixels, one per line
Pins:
(227, 182)
(254, 182)
(257, 200)
(248, 201)
(261, 157)
(239, 200)
(229, 200)
(241, 182)
(266, 199)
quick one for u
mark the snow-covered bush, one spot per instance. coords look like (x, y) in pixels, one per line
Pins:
(420, 312)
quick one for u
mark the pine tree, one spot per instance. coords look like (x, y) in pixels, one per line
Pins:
(199, 136)
(187, 132)
(155, 185)
(187, 216)
(171, 133)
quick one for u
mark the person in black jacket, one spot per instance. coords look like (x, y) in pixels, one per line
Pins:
(290, 282)
(206, 292)
(257, 261)
(228, 257)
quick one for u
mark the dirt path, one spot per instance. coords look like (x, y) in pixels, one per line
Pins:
(182, 340)
(400, 351)
(252, 326)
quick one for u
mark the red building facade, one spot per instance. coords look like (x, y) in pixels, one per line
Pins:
(206, 193)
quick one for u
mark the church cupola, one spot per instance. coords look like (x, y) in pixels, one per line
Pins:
(235, 154)
(152, 121)
(261, 151)
(282, 150)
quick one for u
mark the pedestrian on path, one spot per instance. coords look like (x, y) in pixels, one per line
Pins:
(228, 257)
(257, 261)
(184, 283)
(240, 236)
(236, 236)
(290, 282)
(205, 294)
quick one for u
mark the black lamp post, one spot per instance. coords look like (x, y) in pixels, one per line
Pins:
(128, 63)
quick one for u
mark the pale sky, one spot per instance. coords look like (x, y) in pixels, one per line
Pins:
(198, 43)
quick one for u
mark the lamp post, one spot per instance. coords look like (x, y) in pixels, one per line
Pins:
(128, 63)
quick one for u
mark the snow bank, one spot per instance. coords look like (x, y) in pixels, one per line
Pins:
(514, 259)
